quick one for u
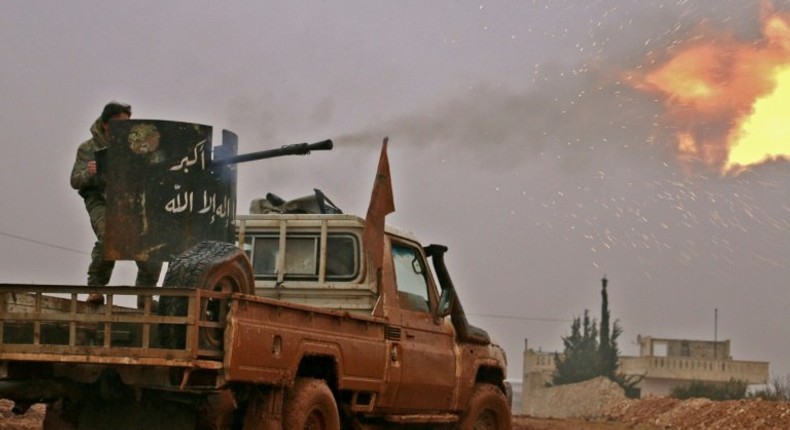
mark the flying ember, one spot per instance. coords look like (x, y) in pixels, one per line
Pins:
(727, 101)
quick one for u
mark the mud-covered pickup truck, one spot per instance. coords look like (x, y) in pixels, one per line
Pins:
(295, 326)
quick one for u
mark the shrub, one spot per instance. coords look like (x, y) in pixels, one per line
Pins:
(778, 390)
(731, 390)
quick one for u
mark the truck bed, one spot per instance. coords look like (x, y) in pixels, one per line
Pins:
(264, 339)
(50, 323)
(271, 337)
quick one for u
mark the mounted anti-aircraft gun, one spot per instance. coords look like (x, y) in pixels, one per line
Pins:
(169, 189)
(292, 149)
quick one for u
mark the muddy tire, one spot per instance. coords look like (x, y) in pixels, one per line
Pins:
(309, 405)
(215, 266)
(54, 420)
(488, 410)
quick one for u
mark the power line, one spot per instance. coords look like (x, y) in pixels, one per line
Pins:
(38, 242)
(503, 317)
(512, 317)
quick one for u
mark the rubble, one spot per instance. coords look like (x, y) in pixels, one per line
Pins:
(31, 420)
(705, 414)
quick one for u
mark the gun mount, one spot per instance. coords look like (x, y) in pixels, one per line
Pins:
(168, 188)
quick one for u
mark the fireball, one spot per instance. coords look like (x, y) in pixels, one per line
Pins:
(727, 101)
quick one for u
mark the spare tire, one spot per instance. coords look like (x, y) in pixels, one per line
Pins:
(210, 265)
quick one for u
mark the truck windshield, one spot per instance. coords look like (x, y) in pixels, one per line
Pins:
(302, 256)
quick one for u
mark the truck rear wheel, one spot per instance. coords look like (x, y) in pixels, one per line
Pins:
(488, 410)
(210, 265)
(309, 405)
(54, 419)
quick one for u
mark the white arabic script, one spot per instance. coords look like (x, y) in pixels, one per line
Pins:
(198, 156)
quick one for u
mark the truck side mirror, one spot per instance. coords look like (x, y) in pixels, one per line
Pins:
(445, 303)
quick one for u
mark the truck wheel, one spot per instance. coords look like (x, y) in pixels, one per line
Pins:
(210, 265)
(54, 420)
(488, 410)
(309, 405)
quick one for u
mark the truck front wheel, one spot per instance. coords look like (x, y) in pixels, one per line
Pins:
(488, 410)
(309, 405)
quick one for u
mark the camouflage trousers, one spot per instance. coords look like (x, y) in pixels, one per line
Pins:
(100, 270)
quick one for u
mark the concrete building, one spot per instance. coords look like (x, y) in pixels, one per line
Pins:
(662, 364)
(667, 363)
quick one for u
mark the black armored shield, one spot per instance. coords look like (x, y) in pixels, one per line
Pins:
(163, 192)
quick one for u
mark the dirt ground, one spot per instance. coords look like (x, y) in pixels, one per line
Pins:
(702, 414)
(646, 414)
(666, 413)
(30, 420)
(529, 423)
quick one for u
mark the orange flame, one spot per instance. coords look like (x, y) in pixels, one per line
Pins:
(729, 101)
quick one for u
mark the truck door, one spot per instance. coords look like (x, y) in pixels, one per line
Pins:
(427, 349)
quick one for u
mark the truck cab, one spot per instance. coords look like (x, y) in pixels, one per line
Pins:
(308, 259)
(318, 260)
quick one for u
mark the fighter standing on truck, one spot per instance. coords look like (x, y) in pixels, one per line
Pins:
(87, 180)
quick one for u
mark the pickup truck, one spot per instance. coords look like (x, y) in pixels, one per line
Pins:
(304, 337)
(292, 327)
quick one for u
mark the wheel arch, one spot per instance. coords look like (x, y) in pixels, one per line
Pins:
(320, 366)
(493, 375)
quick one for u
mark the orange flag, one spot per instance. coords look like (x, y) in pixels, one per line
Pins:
(381, 204)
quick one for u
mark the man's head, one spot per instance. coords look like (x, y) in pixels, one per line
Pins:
(114, 110)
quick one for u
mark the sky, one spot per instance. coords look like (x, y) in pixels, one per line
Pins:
(514, 140)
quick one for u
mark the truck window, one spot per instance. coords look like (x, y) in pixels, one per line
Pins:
(302, 256)
(410, 276)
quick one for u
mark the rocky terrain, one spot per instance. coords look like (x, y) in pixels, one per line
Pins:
(646, 414)
(30, 420)
(670, 413)
(667, 413)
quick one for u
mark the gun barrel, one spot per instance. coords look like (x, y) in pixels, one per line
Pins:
(293, 149)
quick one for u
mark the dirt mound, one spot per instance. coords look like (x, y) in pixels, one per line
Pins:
(702, 413)
(30, 420)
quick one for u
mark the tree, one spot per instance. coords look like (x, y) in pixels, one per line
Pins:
(580, 360)
(592, 351)
(608, 352)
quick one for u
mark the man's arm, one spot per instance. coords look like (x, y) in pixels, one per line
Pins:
(83, 174)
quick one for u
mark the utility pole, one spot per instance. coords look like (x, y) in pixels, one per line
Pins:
(715, 332)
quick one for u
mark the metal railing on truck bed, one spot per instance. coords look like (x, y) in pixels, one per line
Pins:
(50, 323)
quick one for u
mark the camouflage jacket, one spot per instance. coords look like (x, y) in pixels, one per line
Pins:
(90, 187)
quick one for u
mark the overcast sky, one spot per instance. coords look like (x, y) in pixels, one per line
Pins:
(512, 140)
